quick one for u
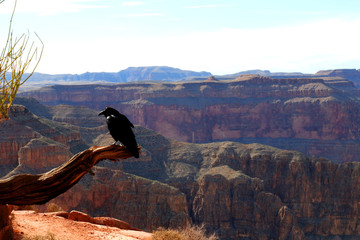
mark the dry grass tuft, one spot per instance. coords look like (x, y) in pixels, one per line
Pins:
(167, 234)
(52, 207)
(187, 233)
(49, 236)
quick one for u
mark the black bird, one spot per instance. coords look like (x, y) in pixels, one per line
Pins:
(120, 129)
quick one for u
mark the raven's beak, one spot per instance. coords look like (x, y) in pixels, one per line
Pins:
(101, 113)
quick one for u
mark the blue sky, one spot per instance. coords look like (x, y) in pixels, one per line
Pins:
(219, 36)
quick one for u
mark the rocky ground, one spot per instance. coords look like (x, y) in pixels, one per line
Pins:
(31, 224)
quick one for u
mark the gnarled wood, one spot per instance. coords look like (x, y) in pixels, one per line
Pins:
(26, 189)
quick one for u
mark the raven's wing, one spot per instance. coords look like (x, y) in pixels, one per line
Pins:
(125, 121)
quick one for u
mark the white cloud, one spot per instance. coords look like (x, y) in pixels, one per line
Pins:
(133, 3)
(143, 15)
(207, 6)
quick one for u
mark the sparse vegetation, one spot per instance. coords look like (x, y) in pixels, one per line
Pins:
(15, 59)
(187, 233)
(52, 207)
(48, 236)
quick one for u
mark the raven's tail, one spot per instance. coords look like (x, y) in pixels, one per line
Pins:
(134, 151)
(132, 146)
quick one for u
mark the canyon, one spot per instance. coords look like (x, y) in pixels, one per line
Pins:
(237, 190)
(317, 116)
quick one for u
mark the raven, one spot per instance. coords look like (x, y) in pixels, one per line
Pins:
(120, 129)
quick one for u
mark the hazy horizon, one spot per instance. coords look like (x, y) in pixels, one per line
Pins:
(248, 70)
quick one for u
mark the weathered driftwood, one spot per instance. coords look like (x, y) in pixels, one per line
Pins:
(27, 189)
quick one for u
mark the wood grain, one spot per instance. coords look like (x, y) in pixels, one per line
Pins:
(28, 189)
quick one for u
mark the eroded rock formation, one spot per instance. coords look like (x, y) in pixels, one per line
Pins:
(350, 74)
(26, 136)
(144, 203)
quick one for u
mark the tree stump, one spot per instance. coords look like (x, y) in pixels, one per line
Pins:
(29, 189)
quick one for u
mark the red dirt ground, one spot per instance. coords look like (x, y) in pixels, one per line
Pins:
(30, 223)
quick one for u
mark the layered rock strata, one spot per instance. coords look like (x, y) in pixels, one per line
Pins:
(305, 114)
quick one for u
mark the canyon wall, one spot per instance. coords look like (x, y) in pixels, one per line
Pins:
(253, 191)
(317, 116)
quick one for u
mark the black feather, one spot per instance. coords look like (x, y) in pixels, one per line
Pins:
(120, 129)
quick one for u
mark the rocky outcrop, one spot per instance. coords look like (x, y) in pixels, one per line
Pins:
(28, 142)
(106, 221)
(253, 191)
(6, 231)
(350, 74)
(144, 203)
(238, 207)
(76, 115)
(50, 129)
(43, 153)
(73, 225)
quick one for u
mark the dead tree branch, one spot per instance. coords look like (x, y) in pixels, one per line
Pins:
(28, 189)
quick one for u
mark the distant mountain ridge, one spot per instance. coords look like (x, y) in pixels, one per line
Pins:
(265, 73)
(170, 74)
(348, 74)
(160, 73)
